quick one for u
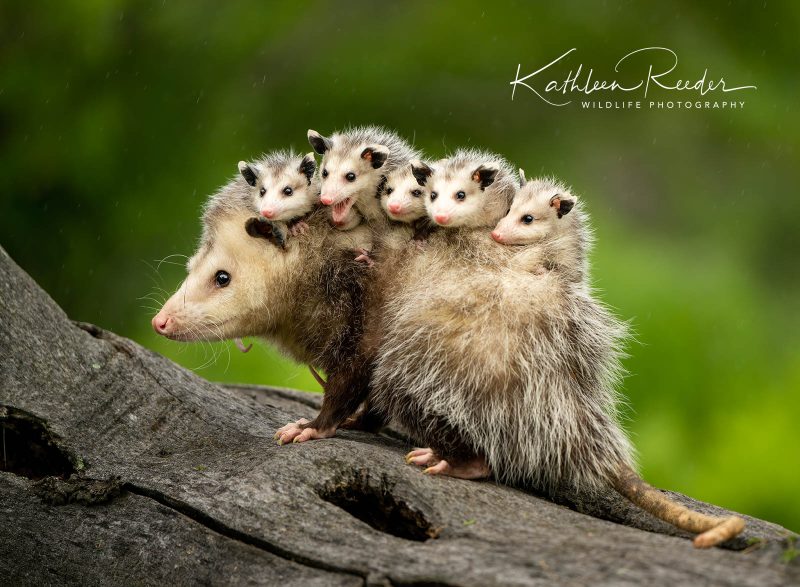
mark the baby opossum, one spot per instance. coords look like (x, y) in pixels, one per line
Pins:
(284, 186)
(305, 294)
(545, 216)
(402, 197)
(354, 162)
(470, 188)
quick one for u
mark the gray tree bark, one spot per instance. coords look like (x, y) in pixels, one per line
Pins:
(121, 467)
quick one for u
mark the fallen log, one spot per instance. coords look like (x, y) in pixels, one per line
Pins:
(122, 467)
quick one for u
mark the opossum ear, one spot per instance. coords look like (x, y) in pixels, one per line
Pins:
(561, 204)
(308, 166)
(485, 175)
(522, 179)
(318, 142)
(248, 173)
(421, 171)
(375, 155)
(260, 227)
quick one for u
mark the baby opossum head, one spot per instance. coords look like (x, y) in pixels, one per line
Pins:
(350, 167)
(404, 192)
(236, 284)
(470, 189)
(539, 210)
(283, 185)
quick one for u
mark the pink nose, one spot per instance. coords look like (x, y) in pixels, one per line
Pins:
(268, 212)
(497, 236)
(161, 323)
(394, 207)
(326, 199)
(442, 218)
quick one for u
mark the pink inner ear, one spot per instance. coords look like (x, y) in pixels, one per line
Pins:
(367, 154)
(555, 202)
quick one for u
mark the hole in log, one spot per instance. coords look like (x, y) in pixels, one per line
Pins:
(372, 502)
(28, 449)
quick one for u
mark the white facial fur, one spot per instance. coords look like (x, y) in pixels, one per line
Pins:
(534, 214)
(403, 198)
(456, 199)
(283, 193)
(247, 306)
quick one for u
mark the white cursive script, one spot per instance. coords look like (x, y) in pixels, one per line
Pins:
(576, 82)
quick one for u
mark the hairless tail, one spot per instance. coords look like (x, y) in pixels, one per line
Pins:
(710, 530)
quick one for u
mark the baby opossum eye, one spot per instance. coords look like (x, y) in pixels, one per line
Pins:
(287, 191)
(461, 195)
(222, 279)
(434, 195)
(350, 176)
(389, 190)
(416, 193)
(527, 219)
(324, 173)
(262, 191)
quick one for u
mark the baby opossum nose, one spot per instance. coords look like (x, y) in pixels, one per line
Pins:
(161, 323)
(268, 212)
(395, 207)
(326, 199)
(442, 218)
(497, 236)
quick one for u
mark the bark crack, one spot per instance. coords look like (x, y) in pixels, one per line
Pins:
(224, 530)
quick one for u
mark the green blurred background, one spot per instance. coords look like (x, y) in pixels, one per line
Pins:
(118, 118)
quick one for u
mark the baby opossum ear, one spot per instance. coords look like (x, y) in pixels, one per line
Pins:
(485, 175)
(248, 173)
(561, 204)
(420, 171)
(522, 179)
(318, 142)
(308, 166)
(260, 227)
(375, 155)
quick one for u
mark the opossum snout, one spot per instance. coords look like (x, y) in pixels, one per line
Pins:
(442, 218)
(497, 236)
(395, 207)
(161, 323)
(268, 212)
(327, 199)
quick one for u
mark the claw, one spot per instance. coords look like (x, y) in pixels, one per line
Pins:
(241, 346)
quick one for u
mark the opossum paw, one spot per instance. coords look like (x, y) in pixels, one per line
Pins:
(476, 468)
(314, 434)
(422, 457)
(298, 228)
(289, 432)
(363, 256)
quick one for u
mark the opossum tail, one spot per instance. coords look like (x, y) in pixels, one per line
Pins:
(710, 530)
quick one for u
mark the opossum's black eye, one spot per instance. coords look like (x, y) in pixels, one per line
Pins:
(416, 193)
(287, 191)
(389, 190)
(324, 173)
(527, 219)
(434, 195)
(461, 196)
(222, 279)
(350, 176)
(262, 191)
